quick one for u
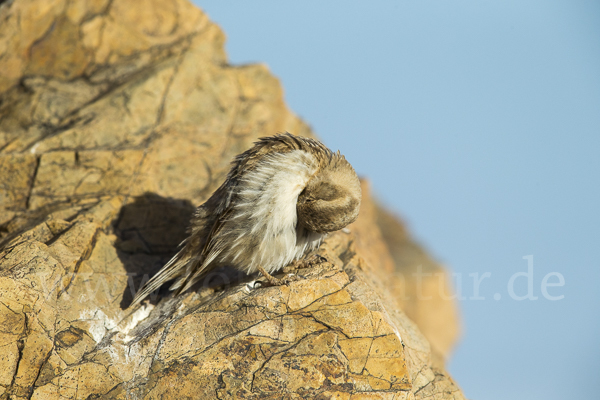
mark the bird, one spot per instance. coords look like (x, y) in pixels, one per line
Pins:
(279, 200)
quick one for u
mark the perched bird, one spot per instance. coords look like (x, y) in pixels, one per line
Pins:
(279, 200)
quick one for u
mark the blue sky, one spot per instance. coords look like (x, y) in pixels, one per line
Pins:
(478, 122)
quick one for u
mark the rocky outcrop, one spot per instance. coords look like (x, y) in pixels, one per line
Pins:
(116, 121)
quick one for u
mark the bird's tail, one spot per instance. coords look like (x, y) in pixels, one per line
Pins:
(171, 270)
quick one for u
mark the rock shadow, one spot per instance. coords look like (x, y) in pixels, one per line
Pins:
(149, 231)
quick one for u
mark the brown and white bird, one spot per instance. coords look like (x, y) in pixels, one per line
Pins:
(281, 197)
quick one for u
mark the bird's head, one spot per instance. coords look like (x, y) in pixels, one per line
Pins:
(331, 199)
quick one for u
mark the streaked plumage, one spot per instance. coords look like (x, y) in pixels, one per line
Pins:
(279, 200)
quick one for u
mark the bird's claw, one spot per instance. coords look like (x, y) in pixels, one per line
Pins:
(272, 281)
(283, 281)
(312, 261)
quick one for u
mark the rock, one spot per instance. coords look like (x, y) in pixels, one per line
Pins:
(422, 287)
(116, 121)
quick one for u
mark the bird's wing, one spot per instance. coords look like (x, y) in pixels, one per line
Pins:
(198, 265)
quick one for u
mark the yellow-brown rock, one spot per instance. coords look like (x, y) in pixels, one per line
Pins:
(421, 286)
(115, 122)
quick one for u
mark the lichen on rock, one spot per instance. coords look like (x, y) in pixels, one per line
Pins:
(116, 121)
